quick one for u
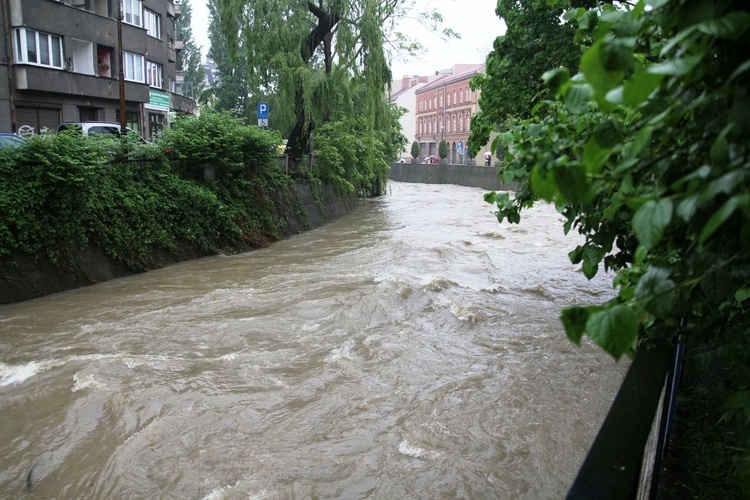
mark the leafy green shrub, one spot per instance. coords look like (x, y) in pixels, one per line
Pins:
(45, 187)
(135, 202)
(219, 141)
(443, 150)
(67, 190)
(353, 162)
(415, 149)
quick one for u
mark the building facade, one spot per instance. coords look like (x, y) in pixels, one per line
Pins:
(403, 95)
(59, 63)
(444, 109)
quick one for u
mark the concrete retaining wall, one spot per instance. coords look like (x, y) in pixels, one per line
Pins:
(462, 175)
(24, 277)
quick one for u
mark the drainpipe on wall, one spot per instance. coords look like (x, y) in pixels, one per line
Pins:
(9, 60)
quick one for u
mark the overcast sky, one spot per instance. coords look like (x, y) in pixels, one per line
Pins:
(474, 20)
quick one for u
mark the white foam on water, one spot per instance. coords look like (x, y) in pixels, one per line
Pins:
(221, 492)
(343, 352)
(229, 357)
(81, 382)
(15, 374)
(406, 448)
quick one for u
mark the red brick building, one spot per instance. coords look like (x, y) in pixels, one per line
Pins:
(444, 110)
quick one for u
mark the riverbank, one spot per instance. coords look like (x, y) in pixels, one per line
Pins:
(294, 209)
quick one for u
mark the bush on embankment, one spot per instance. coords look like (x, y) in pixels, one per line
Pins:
(64, 191)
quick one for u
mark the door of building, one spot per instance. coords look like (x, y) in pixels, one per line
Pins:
(88, 114)
(155, 124)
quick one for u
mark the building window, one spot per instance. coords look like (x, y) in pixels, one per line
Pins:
(133, 64)
(81, 53)
(35, 47)
(152, 22)
(440, 100)
(468, 119)
(131, 10)
(154, 74)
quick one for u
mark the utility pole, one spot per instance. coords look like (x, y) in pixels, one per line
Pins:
(123, 121)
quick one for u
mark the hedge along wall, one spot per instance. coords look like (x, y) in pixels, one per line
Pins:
(22, 277)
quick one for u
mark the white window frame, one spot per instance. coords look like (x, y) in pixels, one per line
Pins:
(20, 39)
(133, 67)
(152, 23)
(154, 74)
(132, 12)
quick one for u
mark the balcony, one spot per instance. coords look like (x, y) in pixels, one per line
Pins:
(75, 84)
(174, 8)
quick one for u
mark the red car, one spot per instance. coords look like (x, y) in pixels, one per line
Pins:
(431, 159)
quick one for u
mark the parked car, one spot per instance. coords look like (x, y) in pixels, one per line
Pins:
(11, 141)
(99, 128)
(92, 128)
(431, 159)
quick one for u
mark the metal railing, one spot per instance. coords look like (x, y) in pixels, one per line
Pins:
(624, 460)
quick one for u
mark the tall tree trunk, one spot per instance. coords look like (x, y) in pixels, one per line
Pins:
(299, 138)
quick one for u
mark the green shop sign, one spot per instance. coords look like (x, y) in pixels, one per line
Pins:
(157, 100)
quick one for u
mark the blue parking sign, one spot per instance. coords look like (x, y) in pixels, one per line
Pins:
(262, 111)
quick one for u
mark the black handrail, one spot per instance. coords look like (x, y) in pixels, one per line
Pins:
(613, 466)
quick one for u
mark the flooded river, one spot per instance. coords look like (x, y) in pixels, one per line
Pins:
(410, 350)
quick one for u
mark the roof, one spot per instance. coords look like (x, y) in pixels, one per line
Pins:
(448, 79)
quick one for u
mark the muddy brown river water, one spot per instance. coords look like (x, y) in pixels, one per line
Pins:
(411, 349)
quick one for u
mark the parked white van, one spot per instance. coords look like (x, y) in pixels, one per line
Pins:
(99, 128)
(92, 128)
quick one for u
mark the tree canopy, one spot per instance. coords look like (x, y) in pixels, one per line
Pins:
(536, 40)
(646, 152)
(314, 57)
(231, 90)
(189, 58)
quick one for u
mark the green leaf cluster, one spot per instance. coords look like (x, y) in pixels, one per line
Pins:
(219, 140)
(645, 152)
(443, 149)
(353, 161)
(535, 41)
(415, 149)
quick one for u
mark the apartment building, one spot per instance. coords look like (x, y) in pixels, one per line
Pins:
(59, 62)
(403, 96)
(444, 110)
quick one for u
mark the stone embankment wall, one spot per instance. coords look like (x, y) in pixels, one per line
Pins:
(24, 277)
(462, 175)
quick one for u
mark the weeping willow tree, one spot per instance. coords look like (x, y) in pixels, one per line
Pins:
(321, 60)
